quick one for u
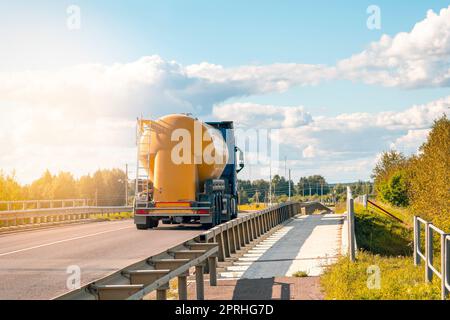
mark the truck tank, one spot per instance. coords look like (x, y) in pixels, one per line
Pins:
(181, 153)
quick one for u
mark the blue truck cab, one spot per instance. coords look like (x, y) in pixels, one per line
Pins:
(229, 197)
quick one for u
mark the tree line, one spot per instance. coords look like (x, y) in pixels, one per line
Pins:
(103, 188)
(307, 188)
(419, 182)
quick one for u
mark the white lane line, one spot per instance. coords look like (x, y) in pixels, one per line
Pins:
(61, 241)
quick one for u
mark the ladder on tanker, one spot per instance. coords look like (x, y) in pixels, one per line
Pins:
(143, 187)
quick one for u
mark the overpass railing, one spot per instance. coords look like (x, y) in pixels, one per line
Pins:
(30, 217)
(217, 244)
(17, 205)
(427, 255)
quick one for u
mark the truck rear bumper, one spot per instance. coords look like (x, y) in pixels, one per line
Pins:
(171, 214)
(203, 218)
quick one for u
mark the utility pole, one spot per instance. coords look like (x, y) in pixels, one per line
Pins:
(289, 184)
(126, 184)
(285, 166)
(270, 184)
(321, 191)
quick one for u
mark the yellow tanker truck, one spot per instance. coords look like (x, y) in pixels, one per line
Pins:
(186, 171)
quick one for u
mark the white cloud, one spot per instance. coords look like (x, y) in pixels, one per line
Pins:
(419, 58)
(276, 77)
(151, 85)
(76, 110)
(263, 116)
(410, 142)
(350, 142)
(309, 152)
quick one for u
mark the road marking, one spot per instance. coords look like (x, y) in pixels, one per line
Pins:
(61, 241)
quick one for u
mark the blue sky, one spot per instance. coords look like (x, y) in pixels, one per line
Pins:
(230, 34)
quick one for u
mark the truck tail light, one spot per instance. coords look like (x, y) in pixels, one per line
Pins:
(203, 211)
(141, 211)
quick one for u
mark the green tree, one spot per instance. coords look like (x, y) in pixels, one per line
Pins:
(395, 190)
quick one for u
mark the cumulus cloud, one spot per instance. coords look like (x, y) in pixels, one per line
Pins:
(263, 116)
(419, 58)
(346, 141)
(309, 152)
(80, 109)
(411, 141)
(151, 85)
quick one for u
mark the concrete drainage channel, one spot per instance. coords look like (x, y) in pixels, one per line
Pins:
(219, 246)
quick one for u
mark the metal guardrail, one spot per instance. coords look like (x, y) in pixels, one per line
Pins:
(52, 215)
(40, 204)
(154, 273)
(428, 255)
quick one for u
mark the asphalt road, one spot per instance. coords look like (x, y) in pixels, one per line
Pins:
(33, 264)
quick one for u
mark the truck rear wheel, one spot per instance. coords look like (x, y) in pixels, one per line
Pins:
(149, 223)
(154, 223)
(141, 226)
(233, 209)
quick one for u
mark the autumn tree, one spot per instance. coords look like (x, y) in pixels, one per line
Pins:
(430, 176)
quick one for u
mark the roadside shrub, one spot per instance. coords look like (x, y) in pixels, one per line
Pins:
(395, 190)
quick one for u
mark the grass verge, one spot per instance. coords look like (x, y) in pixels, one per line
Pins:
(252, 207)
(384, 268)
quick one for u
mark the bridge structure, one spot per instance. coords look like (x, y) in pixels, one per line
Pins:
(41, 262)
(275, 253)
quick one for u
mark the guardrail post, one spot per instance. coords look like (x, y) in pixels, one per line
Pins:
(446, 273)
(221, 253)
(259, 223)
(182, 287)
(248, 229)
(416, 241)
(232, 240)
(241, 234)
(263, 227)
(161, 292)
(351, 230)
(444, 258)
(253, 227)
(199, 282)
(428, 252)
(212, 263)
(227, 243)
(238, 237)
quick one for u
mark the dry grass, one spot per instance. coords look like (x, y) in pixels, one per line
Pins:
(252, 207)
